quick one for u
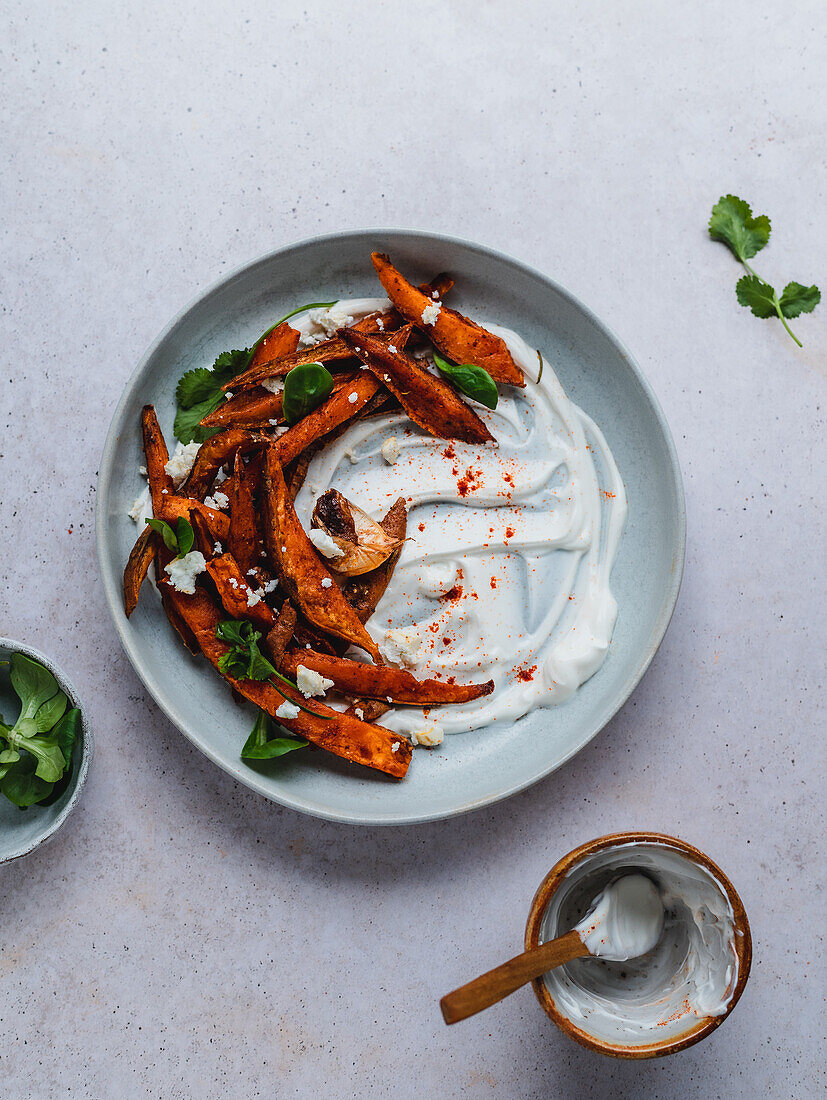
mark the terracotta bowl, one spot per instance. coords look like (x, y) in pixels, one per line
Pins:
(563, 896)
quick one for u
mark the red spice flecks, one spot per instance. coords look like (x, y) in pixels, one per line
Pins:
(469, 481)
(454, 593)
(452, 679)
(446, 640)
(449, 451)
(422, 527)
(493, 582)
(525, 675)
(510, 532)
(608, 495)
(508, 477)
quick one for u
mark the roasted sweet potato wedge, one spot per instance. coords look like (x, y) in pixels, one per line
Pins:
(215, 453)
(364, 593)
(383, 681)
(173, 507)
(336, 410)
(244, 535)
(342, 734)
(137, 567)
(278, 639)
(368, 709)
(300, 570)
(235, 593)
(253, 408)
(281, 341)
(457, 337)
(157, 456)
(429, 401)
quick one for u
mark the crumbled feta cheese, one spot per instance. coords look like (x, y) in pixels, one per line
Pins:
(312, 338)
(181, 462)
(330, 319)
(233, 582)
(325, 544)
(252, 573)
(274, 385)
(141, 510)
(273, 423)
(218, 501)
(220, 477)
(142, 470)
(435, 294)
(431, 312)
(360, 714)
(393, 348)
(254, 597)
(287, 710)
(284, 549)
(430, 735)
(310, 682)
(401, 645)
(326, 582)
(228, 394)
(271, 585)
(380, 324)
(390, 450)
(395, 747)
(218, 548)
(183, 571)
(352, 457)
(387, 377)
(353, 397)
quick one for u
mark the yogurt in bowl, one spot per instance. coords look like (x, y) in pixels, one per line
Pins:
(693, 924)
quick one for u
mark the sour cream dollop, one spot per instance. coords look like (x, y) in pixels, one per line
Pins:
(625, 921)
(505, 574)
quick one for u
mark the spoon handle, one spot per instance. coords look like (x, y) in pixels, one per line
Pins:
(491, 987)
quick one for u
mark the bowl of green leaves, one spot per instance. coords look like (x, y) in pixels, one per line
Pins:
(45, 749)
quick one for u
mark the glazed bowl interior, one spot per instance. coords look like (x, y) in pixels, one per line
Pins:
(21, 831)
(640, 1007)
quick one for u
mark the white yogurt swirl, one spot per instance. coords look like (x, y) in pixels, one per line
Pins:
(505, 575)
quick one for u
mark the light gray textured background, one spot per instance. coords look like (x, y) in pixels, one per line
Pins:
(185, 937)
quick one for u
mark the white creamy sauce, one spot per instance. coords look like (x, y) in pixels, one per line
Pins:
(689, 973)
(625, 921)
(505, 574)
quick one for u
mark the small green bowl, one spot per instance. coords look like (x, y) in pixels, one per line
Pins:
(21, 831)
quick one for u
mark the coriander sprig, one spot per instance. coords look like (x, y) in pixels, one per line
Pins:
(733, 224)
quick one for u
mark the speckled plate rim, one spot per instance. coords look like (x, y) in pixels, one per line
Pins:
(114, 597)
(86, 755)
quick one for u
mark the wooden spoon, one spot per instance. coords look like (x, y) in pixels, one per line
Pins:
(489, 988)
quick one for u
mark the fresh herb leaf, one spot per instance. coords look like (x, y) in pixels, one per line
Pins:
(22, 786)
(33, 684)
(49, 713)
(797, 299)
(180, 540)
(66, 733)
(305, 387)
(473, 381)
(199, 393)
(286, 317)
(732, 222)
(260, 746)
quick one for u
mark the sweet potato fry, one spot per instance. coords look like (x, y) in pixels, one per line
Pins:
(235, 593)
(164, 557)
(429, 401)
(279, 637)
(157, 456)
(214, 454)
(336, 410)
(137, 567)
(281, 341)
(342, 734)
(456, 336)
(205, 543)
(300, 570)
(244, 537)
(368, 709)
(383, 681)
(173, 507)
(253, 408)
(364, 593)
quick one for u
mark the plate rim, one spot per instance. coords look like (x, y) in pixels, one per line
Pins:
(250, 779)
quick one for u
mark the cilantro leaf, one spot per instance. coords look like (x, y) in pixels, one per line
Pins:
(798, 299)
(733, 224)
(758, 295)
(180, 540)
(474, 381)
(199, 393)
(259, 745)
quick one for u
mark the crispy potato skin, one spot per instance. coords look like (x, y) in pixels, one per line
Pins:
(137, 567)
(233, 588)
(429, 401)
(253, 408)
(300, 569)
(364, 593)
(157, 456)
(457, 337)
(385, 682)
(343, 734)
(336, 410)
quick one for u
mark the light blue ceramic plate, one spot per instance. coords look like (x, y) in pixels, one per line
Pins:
(21, 831)
(468, 770)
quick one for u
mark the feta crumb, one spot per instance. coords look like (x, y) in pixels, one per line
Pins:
(330, 319)
(254, 597)
(393, 348)
(284, 549)
(431, 312)
(218, 548)
(183, 571)
(233, 582)
(326, 582)
(270, 586)
(310, 682)
(395, 747)
(142, 470)
(352, 457)
(401, 645)
(181, 462)
(287, 710)
(380, 324)
(390, 450)
(274, 385)
(218, 501)
(360, 714)
(325, 544)
(220, 477)
(273, 423)
(228, 394)
(252, 573)
(353, 397)
(387, 377)
(141, 510)
(429, 735)
(435, 294)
